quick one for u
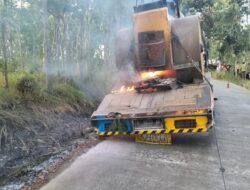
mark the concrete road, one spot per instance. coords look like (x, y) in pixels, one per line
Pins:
(193, 162)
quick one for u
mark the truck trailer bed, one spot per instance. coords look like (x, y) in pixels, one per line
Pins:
(163, 103)
(153, 117)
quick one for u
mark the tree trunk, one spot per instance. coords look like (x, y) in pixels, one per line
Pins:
(46, 46)
(4, 45)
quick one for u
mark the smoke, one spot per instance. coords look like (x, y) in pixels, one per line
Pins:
(84, 49)
(81, 40)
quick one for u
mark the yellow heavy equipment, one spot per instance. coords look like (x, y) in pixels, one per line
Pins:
(164, 91)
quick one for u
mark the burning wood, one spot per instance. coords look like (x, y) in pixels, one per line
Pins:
(151, 81)
(157, 84)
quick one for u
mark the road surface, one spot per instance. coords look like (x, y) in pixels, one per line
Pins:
(193, 162)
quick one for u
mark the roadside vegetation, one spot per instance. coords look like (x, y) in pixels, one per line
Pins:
(26, 94)
(56, 64)
(226, 29)
(56, 56)
(230, 77)
(36, 124)
(227, 34)
(28, 88)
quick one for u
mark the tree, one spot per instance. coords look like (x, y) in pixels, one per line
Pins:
(221, 20)
(61, 37)
(4, 43)
(46, 46)
(193, 6)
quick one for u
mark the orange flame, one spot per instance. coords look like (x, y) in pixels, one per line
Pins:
(154, 74)
(124, 89)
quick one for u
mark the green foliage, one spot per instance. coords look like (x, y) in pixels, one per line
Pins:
(27, 85)
(239, 2)
(72, 96)
(26, 88)
(228, 40)
(193, 6)
(9, 99)
(66, 91)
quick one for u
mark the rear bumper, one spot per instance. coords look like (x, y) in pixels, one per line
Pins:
(156, 136)
(203, 123)
(157, 131)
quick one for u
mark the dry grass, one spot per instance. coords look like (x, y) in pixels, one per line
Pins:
(21, 111)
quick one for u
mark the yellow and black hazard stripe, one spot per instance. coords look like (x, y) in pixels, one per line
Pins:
(158, 131)
(174, 131)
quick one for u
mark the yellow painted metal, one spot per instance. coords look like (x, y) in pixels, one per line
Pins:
(153, 20)
(109, 133)
(165, 139)
(116, 133)
(201, 122)
(101, 133)
(157, 131)
(194, 112)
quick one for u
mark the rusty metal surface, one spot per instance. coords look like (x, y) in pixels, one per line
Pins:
(186, 40)
(187, 47)
(152, 47)
(133, 104)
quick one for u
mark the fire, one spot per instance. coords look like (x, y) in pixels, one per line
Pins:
(154, 74)
(124, 89)
(130, 87)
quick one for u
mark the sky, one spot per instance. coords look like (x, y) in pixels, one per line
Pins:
(21, 4)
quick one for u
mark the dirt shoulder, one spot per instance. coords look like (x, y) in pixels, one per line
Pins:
(36, 141)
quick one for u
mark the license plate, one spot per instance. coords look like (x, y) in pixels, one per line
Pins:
(154, 138)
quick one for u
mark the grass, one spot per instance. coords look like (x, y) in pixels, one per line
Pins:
(25, 111)
(69, 95)
(60, 95)
(231, 78)
(21, 110)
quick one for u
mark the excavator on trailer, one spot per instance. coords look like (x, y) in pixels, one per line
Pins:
(163, 89)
